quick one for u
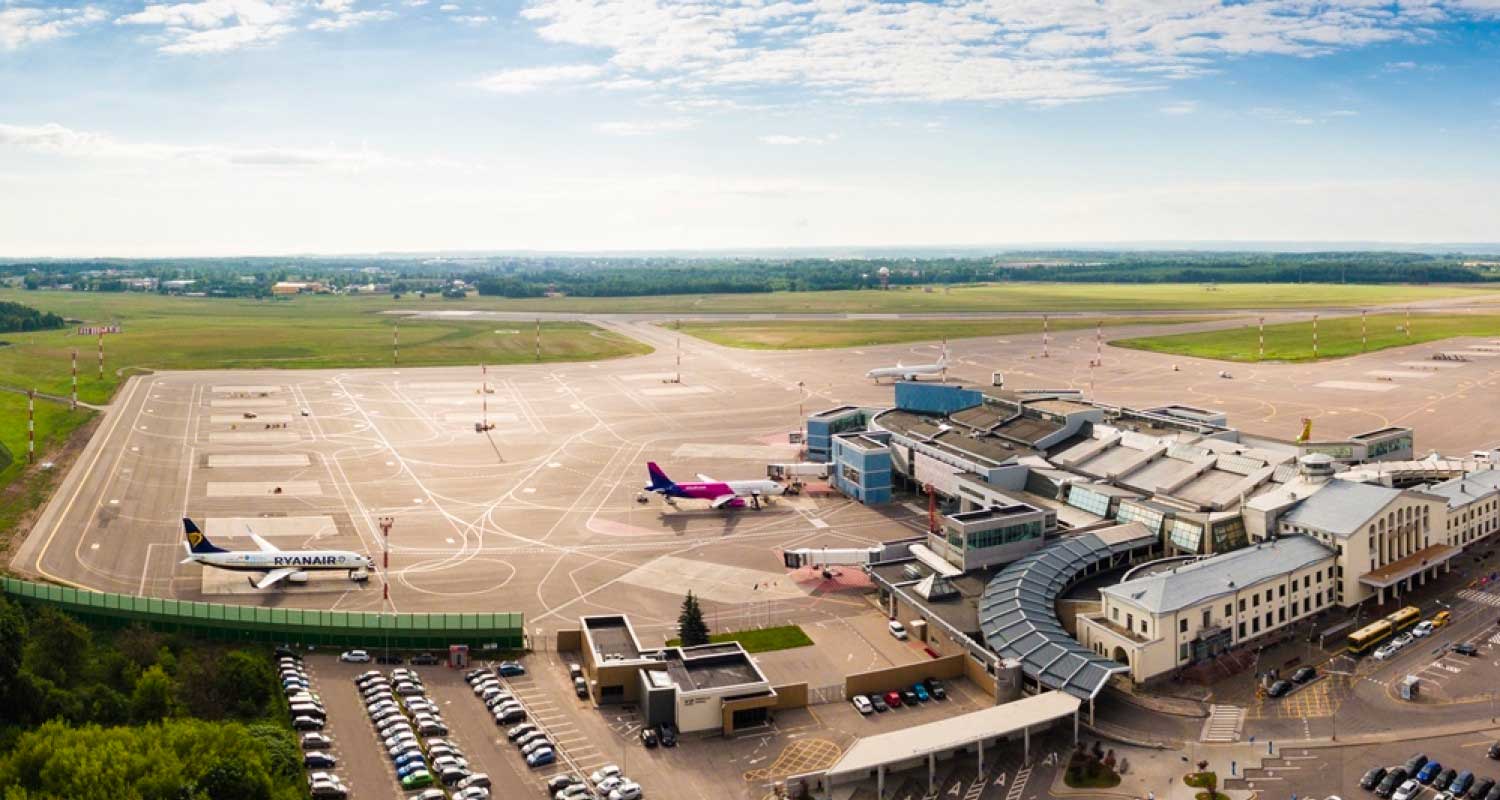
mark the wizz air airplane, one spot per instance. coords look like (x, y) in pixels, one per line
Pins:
(903, 372)
(719, 494)
(277, 564)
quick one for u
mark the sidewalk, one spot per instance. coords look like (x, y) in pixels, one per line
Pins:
(1160, 773)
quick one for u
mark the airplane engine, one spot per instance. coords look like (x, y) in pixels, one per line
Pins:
(297, 577)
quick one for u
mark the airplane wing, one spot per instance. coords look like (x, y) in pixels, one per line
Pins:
(705, 478)
(272, 577)
(265, 546)
(724, 500)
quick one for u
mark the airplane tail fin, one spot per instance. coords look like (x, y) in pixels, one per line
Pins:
(659, 480)
(197, 543)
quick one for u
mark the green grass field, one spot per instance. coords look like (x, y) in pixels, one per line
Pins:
(762, 640)
(307, 332)
(1007, 297)
(784, 334)
(1336, 337)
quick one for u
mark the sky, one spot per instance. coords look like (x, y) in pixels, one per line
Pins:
(266, 127)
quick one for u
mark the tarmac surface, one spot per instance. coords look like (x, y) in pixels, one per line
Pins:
(540, 514)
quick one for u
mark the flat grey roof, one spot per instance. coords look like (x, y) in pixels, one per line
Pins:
(1460, 491)
(1018, 612)
(611, 635)
(1194, 583)
(714, 669)
(946, 735)
(1341, 507)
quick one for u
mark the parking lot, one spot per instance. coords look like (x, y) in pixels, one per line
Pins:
(1324, 771)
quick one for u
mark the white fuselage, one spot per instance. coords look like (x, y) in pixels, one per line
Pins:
(906, 373)
(755, 488)
(300, 560)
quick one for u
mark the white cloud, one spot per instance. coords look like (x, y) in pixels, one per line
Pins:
(530, 79)
(1041, 51)
(474, 20)
(57, 140)
(450, 7)
(218, 26)
(791, 141)
(1179, 108)
(23, 25)
(644, 127)
(349, 19)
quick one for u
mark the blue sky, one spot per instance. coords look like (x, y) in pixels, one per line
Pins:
(210, 127)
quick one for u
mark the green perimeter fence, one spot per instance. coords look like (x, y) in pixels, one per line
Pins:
(480, 631)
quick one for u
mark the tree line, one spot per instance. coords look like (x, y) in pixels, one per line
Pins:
(16, 317)
(137, 714)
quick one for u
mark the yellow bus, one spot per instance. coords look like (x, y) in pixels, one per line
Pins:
(1405, 618)
(1370, 636)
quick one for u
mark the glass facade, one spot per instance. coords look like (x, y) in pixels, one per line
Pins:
(993, 538)
(1144, 514)
(1089, 500)
(1186, 535)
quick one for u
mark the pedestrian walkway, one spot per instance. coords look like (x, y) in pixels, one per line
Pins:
(1224, 724)
(1476, 596)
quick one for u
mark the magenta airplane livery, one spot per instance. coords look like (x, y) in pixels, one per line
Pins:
(719, 494)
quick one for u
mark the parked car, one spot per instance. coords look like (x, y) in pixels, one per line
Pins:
(581, 687)
(453, 775)
(575, 792)
(1423, 629)
(936, 689)
(477, 779)
(575, 671)
(649, 739)
(1461, 784)
(307, 724)
(472, 793)
(908, 697)
(1386, 651)
(557, 783)
(537, 746)
(509, 716)
(893, 699)
(879, 703)
(1416, 763)
(1280, 689)
(509, 669)
(862, 704)
(1494, 751)
(316, 741)
(420, 779)
(628, 790)
(328, 790)
(897, 629)
(519, 731)
(431, 794)
(354, 657)
(1394, 778)
(1304, 675)
(1372, 778)
(604, 773)
(1466, 649)
(1403, 640)
(529, 737)
(541, 758)
(1407, 791)
(427, 659)
(1428, 772)
(1481, 788)
(1445, 778)
(386, 658)
(668, 733)
(1441, 618)
(318, 760)
(920, 691)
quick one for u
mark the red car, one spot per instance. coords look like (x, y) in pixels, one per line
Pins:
(893, 699)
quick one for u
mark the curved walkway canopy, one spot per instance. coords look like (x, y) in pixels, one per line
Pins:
(1018, 612)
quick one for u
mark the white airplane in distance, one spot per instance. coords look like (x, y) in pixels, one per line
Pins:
(277, 564)
(902, 372)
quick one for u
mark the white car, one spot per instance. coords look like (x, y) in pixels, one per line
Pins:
(897, 629)
(1386, 651)
(603, 773)
(1423, 629)
(1407, 791)
(1402, 640)
(355, 657)
(626, 791)
(608, 785)
(862, 704)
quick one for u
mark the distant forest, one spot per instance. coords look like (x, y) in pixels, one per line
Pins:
(534, 276)
(16, 317)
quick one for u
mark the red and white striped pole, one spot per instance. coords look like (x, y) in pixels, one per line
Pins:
(1262, 339)
(30, 426)
(1046, 334)
(75, 379)
(539, 339)
(1364, 339)
(1315, 337)
(385, 530)
(101, 355)
(484, 396)
(1099, 342)
(396, 343)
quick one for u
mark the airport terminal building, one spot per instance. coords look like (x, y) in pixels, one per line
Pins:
(1036, 492)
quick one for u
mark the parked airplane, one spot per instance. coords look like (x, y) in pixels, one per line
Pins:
(277, 564)
(720, 494)
(902, 372)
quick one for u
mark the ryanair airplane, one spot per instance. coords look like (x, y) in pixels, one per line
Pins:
(276, 564)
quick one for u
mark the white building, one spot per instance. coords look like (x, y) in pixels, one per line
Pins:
(1178, 616)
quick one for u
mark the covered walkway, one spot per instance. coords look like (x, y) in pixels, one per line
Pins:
(874, 756)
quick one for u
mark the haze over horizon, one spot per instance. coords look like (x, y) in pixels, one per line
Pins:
(273, 127)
